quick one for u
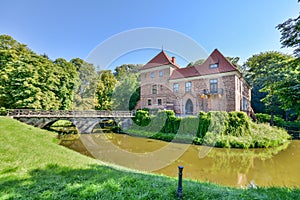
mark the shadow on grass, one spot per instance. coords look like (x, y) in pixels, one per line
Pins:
(103, 182)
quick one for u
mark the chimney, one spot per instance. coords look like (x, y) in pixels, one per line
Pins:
(174, 60)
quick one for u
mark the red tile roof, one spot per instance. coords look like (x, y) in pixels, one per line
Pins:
(204, 69)
(160, 59)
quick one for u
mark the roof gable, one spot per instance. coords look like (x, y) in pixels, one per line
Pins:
(224, 65)
(160, 59)
(216, 57)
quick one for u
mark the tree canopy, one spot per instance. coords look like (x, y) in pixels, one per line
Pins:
(265, 71)
(290, 30)
(28, 80)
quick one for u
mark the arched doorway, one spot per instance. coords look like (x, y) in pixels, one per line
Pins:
(189, 107)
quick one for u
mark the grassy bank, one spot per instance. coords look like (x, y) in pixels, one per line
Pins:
(34, 166)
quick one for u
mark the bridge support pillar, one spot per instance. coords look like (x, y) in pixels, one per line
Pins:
(85, 125)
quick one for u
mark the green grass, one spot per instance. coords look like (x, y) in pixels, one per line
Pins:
(34, 166)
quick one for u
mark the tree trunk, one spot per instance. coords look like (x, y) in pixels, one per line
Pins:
(272, 119)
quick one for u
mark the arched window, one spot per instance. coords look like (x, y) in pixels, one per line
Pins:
(189, 107)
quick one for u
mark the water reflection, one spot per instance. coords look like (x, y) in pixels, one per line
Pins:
(233, 167)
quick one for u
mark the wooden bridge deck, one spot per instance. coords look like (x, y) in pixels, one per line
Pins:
(68, 113)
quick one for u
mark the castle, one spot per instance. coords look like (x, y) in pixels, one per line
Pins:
(214, 85)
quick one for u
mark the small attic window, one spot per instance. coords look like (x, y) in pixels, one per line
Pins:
(213, 66)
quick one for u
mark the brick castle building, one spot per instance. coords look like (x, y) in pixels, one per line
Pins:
(215, 85)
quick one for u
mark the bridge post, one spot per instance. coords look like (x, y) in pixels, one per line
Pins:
(85, 125)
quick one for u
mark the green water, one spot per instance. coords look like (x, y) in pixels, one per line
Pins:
(231, 167)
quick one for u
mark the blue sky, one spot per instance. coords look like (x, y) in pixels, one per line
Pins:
(73, 28)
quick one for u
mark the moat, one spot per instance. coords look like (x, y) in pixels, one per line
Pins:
(231, 167)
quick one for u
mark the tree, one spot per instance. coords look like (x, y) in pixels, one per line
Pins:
(85, 86)
(125, 88)
(290, 31)
(197, 62)
(264, 71)
(28, 80)
(127, 91)
(288, 88)
(105, 86)
(68, 76)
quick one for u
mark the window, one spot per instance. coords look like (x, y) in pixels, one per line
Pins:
(188, 86)
(149, 102)
(213, 86)
(244, 104)
(154, 89)
(215, 65)
(152, 74)
(159, 102)
(161, 73)
(175, 87)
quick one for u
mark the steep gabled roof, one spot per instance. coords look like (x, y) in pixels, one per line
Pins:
(224, 65)
(160, 59)
(184, 73)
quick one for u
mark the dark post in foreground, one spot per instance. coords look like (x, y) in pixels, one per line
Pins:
(179, 189)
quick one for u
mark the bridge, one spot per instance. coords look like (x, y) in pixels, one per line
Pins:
(84, 120)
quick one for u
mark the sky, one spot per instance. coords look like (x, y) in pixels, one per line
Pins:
(75, 28)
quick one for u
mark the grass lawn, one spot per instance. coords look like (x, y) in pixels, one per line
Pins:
(34, 166)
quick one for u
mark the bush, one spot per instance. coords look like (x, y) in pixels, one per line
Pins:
(3, 111)
(218, 122)
(204, 122)
(265, 118)
(189, 125)
(238, 124)
(216, 128)
(142, 118)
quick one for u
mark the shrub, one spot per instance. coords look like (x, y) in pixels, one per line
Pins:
(142, 118)
(189, 125)
(238, 124)
(3, 111)
(265, 118)
(204, 122)
(218, 122)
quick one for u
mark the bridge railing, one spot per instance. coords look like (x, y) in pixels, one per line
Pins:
(67, 113)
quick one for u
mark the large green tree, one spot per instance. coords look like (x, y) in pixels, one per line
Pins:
(68, 76)
(264, 71)
(28, 80)
(85, 86)
(105, 86)
(288, 88)
(127, 92)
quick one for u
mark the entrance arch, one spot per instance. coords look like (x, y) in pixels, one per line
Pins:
(189, 110)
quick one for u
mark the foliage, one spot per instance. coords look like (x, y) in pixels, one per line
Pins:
(106, 82)
(197, 62)
(216, 128)
(142, 118)
(288, 87)
(238, 124)
(3, 111)
(264, 71)
(127, 91)
(290, 31)
(218, 122)
(265, 118)
(85, 86)
(28, 80)
(204, 122)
